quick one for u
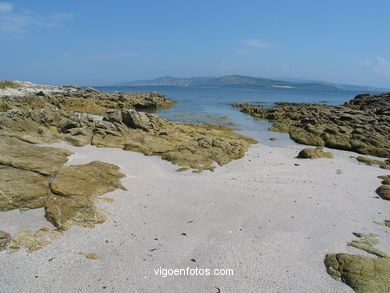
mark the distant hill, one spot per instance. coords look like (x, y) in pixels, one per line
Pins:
(242, 80)
(228, 80)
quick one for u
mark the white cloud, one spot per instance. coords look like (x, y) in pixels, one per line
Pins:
(12, 22)
(242, 52)
(366, 62)
(5, 7)
(255, 43)
(381, 65)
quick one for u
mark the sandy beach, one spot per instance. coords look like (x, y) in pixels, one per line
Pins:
(269, 216)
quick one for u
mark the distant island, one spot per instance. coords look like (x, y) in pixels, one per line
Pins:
(241, 80)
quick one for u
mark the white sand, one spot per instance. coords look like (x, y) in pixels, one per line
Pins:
(270, 221)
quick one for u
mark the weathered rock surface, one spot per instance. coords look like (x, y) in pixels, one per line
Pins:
(71, 98)
(75, 190)
(34, 240)
(5, 239)
(24, 172)
(361, 125)
(193, 145)
(314, 153)
(362, 273)
(95, 178)
(33, 176)
(384, 190)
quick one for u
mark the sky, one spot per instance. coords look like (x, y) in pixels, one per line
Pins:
(107, 42)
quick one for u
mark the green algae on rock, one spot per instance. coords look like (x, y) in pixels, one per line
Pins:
(362, 125)
(314, 153)
(367, 242)
(362, 273)
(384, 190)
(368, 161)
(385, 223)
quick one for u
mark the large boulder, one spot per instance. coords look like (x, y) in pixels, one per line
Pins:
(362, 273)
(314, 153)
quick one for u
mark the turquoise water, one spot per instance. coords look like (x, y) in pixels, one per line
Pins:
(212, 105)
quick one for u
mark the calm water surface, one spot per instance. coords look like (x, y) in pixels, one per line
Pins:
(212, 105)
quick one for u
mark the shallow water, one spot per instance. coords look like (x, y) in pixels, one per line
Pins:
(213, 105)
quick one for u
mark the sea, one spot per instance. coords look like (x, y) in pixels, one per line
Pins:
(207, 104)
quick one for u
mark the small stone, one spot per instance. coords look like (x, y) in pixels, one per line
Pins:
(91, 256)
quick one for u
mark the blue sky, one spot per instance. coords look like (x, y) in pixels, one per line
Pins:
(104, 42)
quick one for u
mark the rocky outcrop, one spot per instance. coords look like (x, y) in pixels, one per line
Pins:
(314, 153)
(5, 239)
(71, 98)
(33, 176)
(362, 125)
(34, 240)
(362, 273)
(192, 145)
(368, 161)
(384, 190)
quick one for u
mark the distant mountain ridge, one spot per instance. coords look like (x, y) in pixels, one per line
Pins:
(226, 80)
(241, 80)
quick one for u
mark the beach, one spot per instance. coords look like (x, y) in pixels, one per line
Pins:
(268, 216)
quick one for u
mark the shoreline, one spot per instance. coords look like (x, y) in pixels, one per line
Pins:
(245, 217)
(254, 206)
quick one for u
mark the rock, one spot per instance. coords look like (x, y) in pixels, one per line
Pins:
(314, 153)
(25, 170)
(144, 121)
(20, 155)
(70, 98)
(34, 240)
(382, 164)
(384, 191)
(22, 189)
(5, 239)
(63, 212)
(362, 273)
(362, 125)
(367, 242)
(91, 256)
(95, 178)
